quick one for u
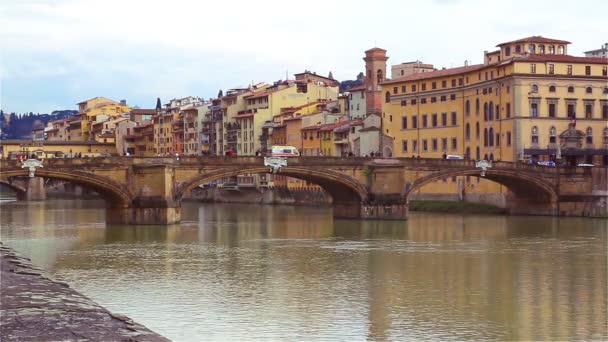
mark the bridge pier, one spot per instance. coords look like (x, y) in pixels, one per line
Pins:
(35, 189)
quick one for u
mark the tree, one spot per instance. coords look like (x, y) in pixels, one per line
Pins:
(158, 105)
(220, 94)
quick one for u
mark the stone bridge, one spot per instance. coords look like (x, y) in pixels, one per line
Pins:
(150, 190)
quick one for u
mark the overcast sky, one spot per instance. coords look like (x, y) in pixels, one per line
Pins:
(57, 53)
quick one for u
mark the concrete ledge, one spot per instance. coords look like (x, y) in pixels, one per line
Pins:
(34, 307)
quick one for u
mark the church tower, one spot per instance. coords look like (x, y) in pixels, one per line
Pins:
(375, 73)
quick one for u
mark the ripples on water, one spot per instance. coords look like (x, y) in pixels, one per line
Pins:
(238, 272)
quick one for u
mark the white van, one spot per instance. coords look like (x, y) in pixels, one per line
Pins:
(453, 156)
(284, 151)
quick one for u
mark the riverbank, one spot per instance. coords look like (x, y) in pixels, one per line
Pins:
(34, 307)
(456, 207)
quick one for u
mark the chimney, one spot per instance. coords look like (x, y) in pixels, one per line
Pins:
(123, 102)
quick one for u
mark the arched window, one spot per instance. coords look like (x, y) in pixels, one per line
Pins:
(551, 49)
(552, 89)
(589, 135)
(477, 153)
(532, 48)
(589, 90)
(467, 131)
(492, 156)
(467, 108)
(552, 135)
(467, 154)
(571, 89)
(605, 90)
(485, 156)
(491, 137)
(379, 74)
(485, 111)
(560, 50)
(387, 97)
(476, 106)
(535, 135)
(491, 111)
(541, 48)
(534, 88)
(477, 130)
(485, 137)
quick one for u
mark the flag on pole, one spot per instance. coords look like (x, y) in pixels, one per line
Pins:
(574, 121)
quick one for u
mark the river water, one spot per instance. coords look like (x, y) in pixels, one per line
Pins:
(254, 272)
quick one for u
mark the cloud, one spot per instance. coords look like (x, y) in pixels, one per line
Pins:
(61, 52)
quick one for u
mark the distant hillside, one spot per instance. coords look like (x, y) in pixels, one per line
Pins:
(346, 85)
(19, 125)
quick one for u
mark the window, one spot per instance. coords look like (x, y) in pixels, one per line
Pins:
(444, 84)
(461, 81)
(551, 69)
(425, 145)
(571, 89)
(541, 48)
(497, 112)
(534, 88)
(403, 104)
(551, 110)
(485, 111)
(508, 51)
(444, 144)
(424, 121)
(605, 71)
(534, 109)
(453, 118)
(508, 109)
(508, 138)
(497, 141)
(444, 119)
(589, 90)
(491, 137)
(434, 144)
(434, 85)
(413, 102)
(552, 135)
(387, 97)
(433, 99)
(467, 108)
(390, 118)
(454, 144)
(395, 90)
(518, 48)
(571, 112)
(423, 100)
(404, 122)
(605, 111)
(588, 111)
(589, 138)
(569, 69)
(434, 120)
(605, 90)
(453, 97)
(485, 137)
(413, 87)
(533, 68)
(423, 87)
(443, 98)
(560, 49)
(414, 145)
(467, 132)
(552, 89)
(453, 83)
(606, 135)
(588, 70)
(477, 130)
(403, 88)
(404, 145)
(476, 106)
(552, 49)
(534, 135)
(532, 48)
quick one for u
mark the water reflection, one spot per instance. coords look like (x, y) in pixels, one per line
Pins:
(243, 272)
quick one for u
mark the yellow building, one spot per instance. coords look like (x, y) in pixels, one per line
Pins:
(514, 106)
(55, 149)
(95, 110)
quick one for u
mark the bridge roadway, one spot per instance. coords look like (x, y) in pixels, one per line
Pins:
(150, 190)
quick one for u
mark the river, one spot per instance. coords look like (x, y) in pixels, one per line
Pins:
(255, 272)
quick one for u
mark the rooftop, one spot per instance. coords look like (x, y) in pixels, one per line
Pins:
(436, 73)
(536, 39)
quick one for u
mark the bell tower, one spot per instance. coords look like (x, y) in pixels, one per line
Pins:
(375, 73)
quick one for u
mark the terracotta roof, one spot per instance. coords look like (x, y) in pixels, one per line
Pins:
(361, 87)
(311, 128)
(375, 49)
(436, 73)
(536, 39)
(562, 58)
(141, 111)
(260, 94)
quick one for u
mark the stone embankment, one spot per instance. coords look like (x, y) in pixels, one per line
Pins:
(34, 307)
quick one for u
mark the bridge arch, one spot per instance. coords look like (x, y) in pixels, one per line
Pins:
(114, 194)
(19, 190)
(528, 189)
(340, 186)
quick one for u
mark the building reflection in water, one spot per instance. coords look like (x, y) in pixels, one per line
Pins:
(295, 271)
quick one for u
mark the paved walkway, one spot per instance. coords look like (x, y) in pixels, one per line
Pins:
(36, 308)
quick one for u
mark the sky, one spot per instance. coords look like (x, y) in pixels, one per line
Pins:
(56, 53)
